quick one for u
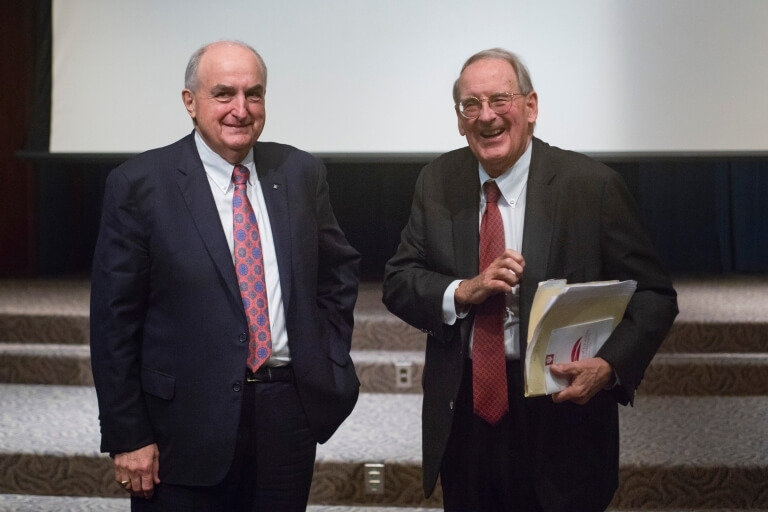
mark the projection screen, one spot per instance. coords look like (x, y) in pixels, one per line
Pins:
(358, 76)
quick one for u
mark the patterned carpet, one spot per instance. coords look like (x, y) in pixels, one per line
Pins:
(697, 438)
(21, 503)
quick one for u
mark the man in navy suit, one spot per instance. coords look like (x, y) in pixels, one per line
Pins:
(564, 216)
(190, 425)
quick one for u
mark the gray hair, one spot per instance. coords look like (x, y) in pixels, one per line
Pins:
(190, 76)
(523, 77)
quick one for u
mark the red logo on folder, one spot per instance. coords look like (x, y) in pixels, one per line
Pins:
(576, 350)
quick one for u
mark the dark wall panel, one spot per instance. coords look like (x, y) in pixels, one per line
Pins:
(748, 202)
(17, 199)
(704, 216)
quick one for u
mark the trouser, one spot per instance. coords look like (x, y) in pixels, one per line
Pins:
(273, 462)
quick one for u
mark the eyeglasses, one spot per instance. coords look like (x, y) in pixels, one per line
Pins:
(500, 103)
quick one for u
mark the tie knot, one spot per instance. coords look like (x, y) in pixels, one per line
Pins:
(240, 175)
(492, 192)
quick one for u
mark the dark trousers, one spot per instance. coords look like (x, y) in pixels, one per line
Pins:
(487, 468)
(272, 467)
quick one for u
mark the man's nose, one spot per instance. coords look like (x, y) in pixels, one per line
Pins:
(239, 108)
(486, 112)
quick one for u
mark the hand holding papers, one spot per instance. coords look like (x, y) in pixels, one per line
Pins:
(570, 322)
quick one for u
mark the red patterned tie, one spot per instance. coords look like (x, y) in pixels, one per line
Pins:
(249, 265)
(489, 382)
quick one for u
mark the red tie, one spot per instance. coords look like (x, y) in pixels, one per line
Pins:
(249, 265)
(489, 371)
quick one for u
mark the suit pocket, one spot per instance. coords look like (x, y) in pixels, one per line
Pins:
(344, 375)
(158, 384)
(338, 354)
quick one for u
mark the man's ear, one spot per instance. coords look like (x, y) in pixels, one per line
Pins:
(460, 120)
(532, 107)
(189, 102)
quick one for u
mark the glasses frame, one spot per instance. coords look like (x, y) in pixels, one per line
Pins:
(510, 95)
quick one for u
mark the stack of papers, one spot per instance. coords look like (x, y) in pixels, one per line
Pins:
(570, 322)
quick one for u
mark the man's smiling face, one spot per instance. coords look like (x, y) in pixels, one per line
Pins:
(496, 140)
(228, 103)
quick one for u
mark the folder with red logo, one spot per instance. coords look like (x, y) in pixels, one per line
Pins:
(570, 322)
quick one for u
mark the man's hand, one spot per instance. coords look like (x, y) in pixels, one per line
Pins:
(500, 276)
(586, 377)
(139, 470)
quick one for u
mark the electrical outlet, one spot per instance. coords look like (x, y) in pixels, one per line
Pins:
(374, 478)
(403, 371)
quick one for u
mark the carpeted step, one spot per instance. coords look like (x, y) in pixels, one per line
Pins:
(26, 503)
(44, 310)
(392, 371)
(33, 327)
(380, 330)
(34, 503)
(721, 374)
(720, 314)
(717, 314)
(56, 364)
(690, 336)
(31, 503)
(69, 365)
(717, 374)
(677, 452)
(389, 371)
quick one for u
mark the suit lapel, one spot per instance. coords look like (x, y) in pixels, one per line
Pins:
(196, 190)
(537, 233)
(464, 194)
(275, 191)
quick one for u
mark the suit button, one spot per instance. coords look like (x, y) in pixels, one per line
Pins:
(243, 337)
(237, 386)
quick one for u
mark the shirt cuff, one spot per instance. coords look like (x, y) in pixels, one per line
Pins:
(450, 312)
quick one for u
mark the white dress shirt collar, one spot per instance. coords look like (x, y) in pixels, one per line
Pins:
(219, 170)
(512, 182)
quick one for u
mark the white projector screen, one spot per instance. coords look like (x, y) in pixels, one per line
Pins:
(361, 76)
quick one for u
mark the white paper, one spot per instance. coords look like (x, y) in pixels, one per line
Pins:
(573, 343)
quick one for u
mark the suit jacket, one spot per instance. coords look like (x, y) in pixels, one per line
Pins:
(168, 329)
(581, 224)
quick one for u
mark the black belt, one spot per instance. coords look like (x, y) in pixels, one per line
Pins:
(270, 374)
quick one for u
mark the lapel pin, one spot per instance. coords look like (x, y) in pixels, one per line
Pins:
(275, 186)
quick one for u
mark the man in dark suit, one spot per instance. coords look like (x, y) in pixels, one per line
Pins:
(221, 307)
(561, 216)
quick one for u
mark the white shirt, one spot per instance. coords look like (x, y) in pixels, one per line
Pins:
(219, 173)
(512, 184)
